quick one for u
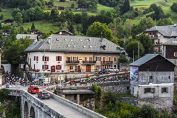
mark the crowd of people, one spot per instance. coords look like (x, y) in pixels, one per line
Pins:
(13, 79)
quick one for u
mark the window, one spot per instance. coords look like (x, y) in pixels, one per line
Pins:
(68, 58)
(103, 58)
(98, 58)
(109, 58)
(164, 90)
(151, 77)
(45, 67)
(71, 67)
(58, 58)
(75, 58)
(90, 58)
(115, 59)
(58, 67)
(149, 90)
(45, 58)
(85, 58)
(35, 58)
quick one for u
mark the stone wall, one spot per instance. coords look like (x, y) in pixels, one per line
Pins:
(159, 103)
(122, 87)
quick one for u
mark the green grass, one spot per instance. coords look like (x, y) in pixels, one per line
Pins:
(43, 26)
(6, 13)
(142, 4)
(89, 13)
(65, 4)
(102, 7)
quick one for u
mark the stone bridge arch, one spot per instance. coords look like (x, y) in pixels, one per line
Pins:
(26, 113)
(32, 112)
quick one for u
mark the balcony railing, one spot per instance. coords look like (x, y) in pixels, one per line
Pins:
(107, 62)
(88, 62)
(72, 62)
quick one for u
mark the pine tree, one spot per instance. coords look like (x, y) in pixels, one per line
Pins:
(33, 27)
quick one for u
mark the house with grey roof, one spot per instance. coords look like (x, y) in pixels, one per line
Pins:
(152, 80)
(64, 53)
(33, 37)
(161, 35)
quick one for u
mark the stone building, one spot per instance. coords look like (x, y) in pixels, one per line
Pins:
(161, 34)
(152, 80)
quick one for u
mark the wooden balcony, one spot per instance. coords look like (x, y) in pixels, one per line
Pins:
(89, 62)
(72, 62)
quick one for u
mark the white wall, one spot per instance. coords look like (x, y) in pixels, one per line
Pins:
(52, 60)
(7, 67)
(157, 93)
(158, 77)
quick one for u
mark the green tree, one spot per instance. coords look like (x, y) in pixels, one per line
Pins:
(98, 94)
(146, 42)
(174, 7)
(132, 47)
(144, 24)
(148, 112)
(54, 15)
(123, 59)
(18, 18)
(33, 26)
(165, 21)
(157, 12)
(98, 29)
(14, 49)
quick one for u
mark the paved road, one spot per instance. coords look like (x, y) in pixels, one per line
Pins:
(65, 110)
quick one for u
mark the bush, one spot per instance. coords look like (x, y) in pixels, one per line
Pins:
(174, 7)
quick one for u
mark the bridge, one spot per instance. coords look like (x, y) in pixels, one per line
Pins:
(55, 107)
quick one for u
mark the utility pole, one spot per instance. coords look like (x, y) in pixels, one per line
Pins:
(138, 51)
(133, 56)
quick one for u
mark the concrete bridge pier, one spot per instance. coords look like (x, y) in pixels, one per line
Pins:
(29, 110)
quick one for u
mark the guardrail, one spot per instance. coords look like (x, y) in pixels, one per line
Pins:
(77, 107)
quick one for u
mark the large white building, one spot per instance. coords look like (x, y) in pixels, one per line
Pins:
(152, 80)
(59, 53)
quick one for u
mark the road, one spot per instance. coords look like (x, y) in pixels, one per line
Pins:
(59, 107)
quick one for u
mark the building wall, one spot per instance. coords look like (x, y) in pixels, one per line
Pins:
(157, 91)
(170, 50)
(146, 77)
(37, 65)
(81, 57)
(158, 39)
(65, 67)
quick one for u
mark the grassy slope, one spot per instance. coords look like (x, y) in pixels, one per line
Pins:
(6, 13)
(142, 4)
(102, 7)
(43, 26)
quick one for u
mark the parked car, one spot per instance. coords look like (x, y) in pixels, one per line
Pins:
(33, 89)
(43, 95)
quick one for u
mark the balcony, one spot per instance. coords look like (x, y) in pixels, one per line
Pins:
(89, 62)
(107, 62)
(72, 62)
